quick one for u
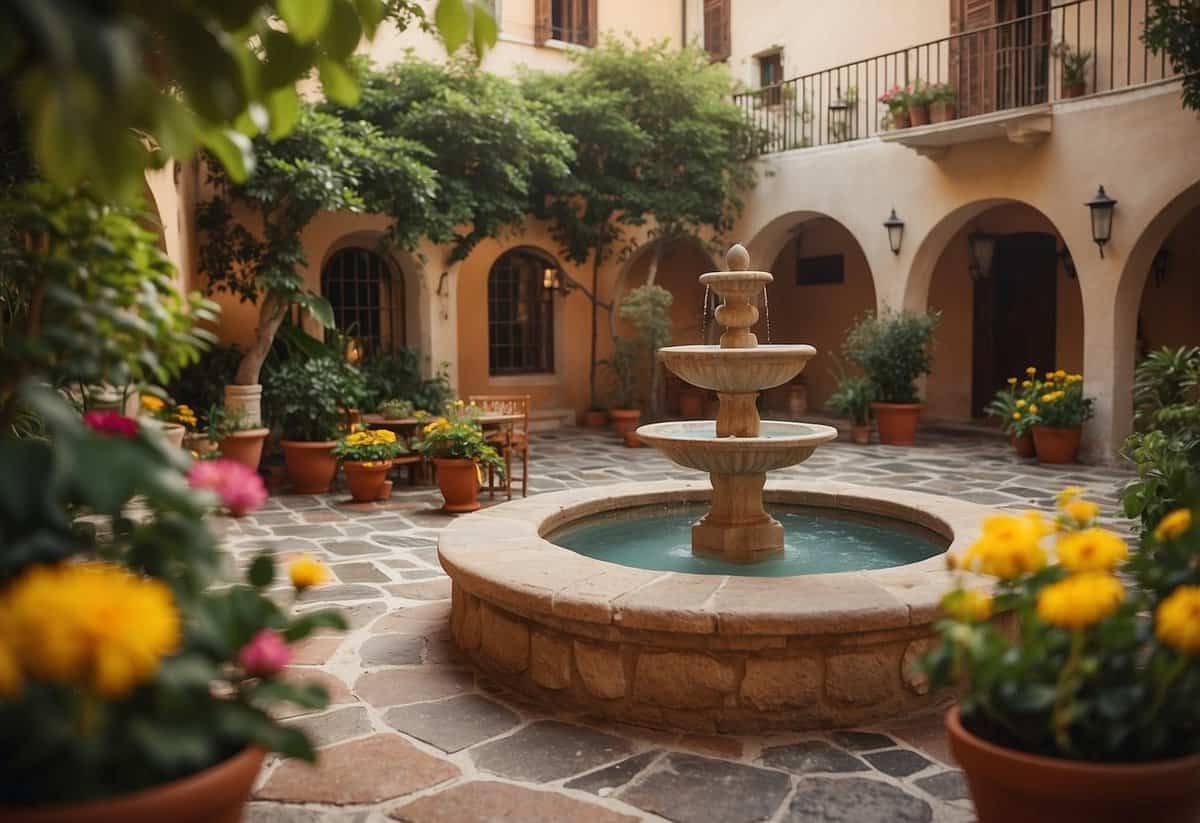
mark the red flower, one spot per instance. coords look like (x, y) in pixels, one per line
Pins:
(240, 488)
(111, 423)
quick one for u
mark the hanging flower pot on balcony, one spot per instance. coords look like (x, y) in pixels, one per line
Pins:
(942, 112)
(1057, 445)
(901, 120)
(918, 115)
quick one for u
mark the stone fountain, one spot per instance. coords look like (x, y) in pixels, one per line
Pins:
(738, 449)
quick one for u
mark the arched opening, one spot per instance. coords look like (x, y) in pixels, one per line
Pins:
(520, 305)
(1003, 278)
(367, 294)
(1169, 308)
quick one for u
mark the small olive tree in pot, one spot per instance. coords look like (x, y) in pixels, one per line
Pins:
(894, 349)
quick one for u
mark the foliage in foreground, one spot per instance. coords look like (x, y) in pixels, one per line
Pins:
(1173, 26)
(893, 349)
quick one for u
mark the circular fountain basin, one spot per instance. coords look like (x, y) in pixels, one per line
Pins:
(712, 652)
(694, 444)
(736, 371)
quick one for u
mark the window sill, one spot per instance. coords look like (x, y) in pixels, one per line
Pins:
(564, 45)
(538, 379)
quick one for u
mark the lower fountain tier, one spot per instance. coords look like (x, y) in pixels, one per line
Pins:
(695, 444)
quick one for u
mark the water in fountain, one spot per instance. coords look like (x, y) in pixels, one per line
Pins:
(767, 313)
(704, 317)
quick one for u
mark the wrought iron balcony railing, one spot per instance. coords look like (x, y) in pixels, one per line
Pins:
(1038, 58)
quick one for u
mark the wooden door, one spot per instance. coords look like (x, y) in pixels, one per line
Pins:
(1022, 53)
(973, 56)
(1015, 314)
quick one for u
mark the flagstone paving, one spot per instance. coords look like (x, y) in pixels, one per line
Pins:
(413, 734)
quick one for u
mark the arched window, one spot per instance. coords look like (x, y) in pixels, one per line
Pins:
(367, 295)
(521, 313)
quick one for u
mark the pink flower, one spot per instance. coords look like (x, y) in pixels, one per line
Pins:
(111, 423)
(240, 488)
(266, 654)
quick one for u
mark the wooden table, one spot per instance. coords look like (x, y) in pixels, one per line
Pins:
(405, 429)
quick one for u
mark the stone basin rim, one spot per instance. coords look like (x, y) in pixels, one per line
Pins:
(501, 555)
(795, 434)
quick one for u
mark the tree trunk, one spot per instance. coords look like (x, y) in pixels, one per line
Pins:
(595, 401)
(655, 370)
(270, 317)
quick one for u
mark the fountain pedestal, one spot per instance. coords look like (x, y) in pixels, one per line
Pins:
(737, 528)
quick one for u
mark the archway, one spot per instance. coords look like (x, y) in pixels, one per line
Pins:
(1002, 276)
(520, 312)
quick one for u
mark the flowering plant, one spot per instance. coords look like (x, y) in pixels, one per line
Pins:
(167, 410)
(369, 446)
(897, 99)
(1064, 658)
(458, 435)
(1058, 400)
(395, 409)
(1009, 407)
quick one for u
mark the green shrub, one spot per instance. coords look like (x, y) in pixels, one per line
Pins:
(852, 399)
(303, 398)
(397, 376)
(894, 349)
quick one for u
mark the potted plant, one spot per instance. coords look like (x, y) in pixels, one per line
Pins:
(456, 444)
(1080, 701)
(1057, 411)
(897, 101)
(366, 459)
(165, 415)
(304, 404)
(893, 350)
(797, 397)
(918, 103)
(943, 103)
(1011, 407)
(235, 437)
(395, 409)
(1074, 71)
(646, 309)
(852, 400)
(595, 418)
(625, 414)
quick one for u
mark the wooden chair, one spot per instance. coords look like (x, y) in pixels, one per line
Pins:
(511, 439)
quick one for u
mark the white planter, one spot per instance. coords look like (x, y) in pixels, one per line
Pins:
(247, 399)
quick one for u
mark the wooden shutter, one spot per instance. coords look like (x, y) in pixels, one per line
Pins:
(541, 21)
(717, 34)
(592, 35)
(973, 55)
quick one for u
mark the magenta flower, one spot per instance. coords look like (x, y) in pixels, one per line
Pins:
(266, 654)
(240, 488)
(111, 423)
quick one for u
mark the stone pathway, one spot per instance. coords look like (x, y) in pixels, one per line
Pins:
(414, 735)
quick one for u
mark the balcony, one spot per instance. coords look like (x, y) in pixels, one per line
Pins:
(1006, 79)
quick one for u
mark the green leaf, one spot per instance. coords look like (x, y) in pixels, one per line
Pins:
(305, 18)
(262, 570)
(453, 22)
(233, 149)
(372, 13)
(305, 624)
(318, 307)
(343, 32)
(484, 30)
(283, 105)
(339, 84)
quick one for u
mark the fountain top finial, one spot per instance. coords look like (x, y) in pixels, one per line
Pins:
(737, 258)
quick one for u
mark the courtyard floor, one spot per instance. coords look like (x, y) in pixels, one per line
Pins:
(412, 734)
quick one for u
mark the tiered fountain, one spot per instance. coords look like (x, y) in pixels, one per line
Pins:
(738, 449)
(591, 599)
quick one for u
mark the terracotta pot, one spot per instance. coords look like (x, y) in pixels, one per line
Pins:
(861, 434)
(624, 420)
(386, 492)
(1074, 90)
(311, 465)
(942, 112)
(632, 441)
(595, 418)
(897, 422)
(901, 120)
(797, 400)
(215, 795)
(352, 418)
(1007, 785)
(691, 404)
(458, 478)
(247, 399)
(1054, 445)
(1023, 444)
(173, 433)
(918, 116)
(365, 480)
(246, 447)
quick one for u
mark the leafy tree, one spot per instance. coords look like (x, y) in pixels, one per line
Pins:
(1173, 26)
(90, 84)
(657, 141)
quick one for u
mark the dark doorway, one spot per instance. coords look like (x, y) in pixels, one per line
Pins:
(1016, 314)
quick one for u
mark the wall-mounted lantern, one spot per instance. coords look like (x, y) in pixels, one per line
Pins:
(895, 231)
(982, 247)
(551, 279)
(1101, 207)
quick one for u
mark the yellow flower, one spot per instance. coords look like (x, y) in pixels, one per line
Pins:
(1049, 375)
(1010, 546)
(1025, 384)
(1177, 620)
(1012, 381)
(1060, 374)
(1081, 511)
(1048, 397)
(1031, 371)
(1173, 525)
(1091, 550)
(93, 625)
(1016, 415)
(1033, 408)
(1080, 601)
(151, 403)
(385, 436)
(307, 572)
(968, 605)
(1021, 404)
(1067, 495)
